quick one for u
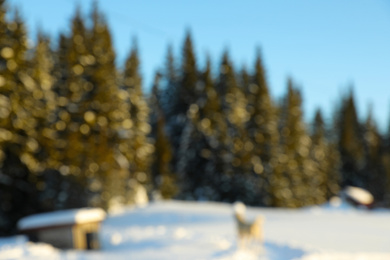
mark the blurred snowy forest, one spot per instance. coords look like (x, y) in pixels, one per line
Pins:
(76, 130)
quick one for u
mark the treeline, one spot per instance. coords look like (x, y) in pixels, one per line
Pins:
(76, 130)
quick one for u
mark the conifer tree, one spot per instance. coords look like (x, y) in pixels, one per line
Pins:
(325, 182)
(295, 145)
(93, 125)
(212, 124)
(333, 171)
(170, 84)
(182, 91)
(350, 144)
(67, 152)
(263, 132)
(201, 166)
(41, 71)
(319, 151)
(233, 99)
(374, 172)
(105, 115)
(18, 121)
(61, 68)
(51, 71)
(139, 144)
(190, 164)
(189, 75)
(386, 165)
(245, 80)
(179, 94)
(234, 107)
(163, 179)
(53, 191)
(18, 100)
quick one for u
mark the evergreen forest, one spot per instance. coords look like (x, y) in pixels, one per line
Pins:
(78, 130)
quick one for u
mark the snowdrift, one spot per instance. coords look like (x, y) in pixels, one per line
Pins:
(190, 230)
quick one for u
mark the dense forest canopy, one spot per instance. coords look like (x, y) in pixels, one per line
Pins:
(78, 130)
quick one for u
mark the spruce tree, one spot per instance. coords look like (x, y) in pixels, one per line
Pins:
(189, 75)
(244, 81)
(263, 133)
(213, 126)
(181, 92)
(51, 70)
(170, 84)
(234, 107)
(67, 151)
(53, 193)
(45, 105)
(191, 162)
(295, 145)
(374, 171)
(105, 114)
(205, 157)
(234, 102)
(61, 68)
(350, 144)
(18, 95)
(163, 178)
(325, 182)
(386, 165)
(93, 125)
(318, 149)
(213, 123)
(140, 148)
(18, 122)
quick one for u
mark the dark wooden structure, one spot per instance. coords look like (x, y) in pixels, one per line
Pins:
(67, 229)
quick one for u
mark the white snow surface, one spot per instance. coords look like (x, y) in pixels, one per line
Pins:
(205, 230)
(62, 217)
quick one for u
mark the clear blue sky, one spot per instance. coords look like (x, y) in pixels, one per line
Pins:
(325, 45)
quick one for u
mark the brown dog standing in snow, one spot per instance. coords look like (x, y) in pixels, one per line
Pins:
(248, 231)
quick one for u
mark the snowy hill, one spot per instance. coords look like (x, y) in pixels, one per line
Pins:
(189, 230)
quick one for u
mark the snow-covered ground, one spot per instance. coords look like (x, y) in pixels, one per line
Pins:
(190, 230)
